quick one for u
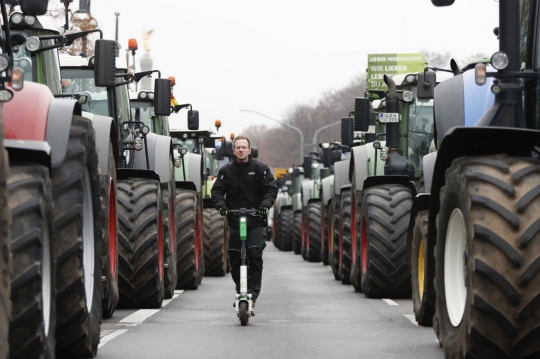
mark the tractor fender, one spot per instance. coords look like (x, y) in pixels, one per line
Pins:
(313, 200)
(420, 203)
(306, 192)
(471, 141)
(373, 181)
(358, 167)
(139, 157)
(297, 202)
(23, 121)
(208, 203)
(326, 189)
(59, 119)
(190, 186)
(162, 151)
(22, 150)
(344, 188)
(429, 167)
(105, 134)
(192, 165)
(281, 200)
(125, 173)
(341, 175)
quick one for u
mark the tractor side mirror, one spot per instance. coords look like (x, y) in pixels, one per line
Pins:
(34, 7)
(362, 113)
(347, 131)
(228, 150)
(193, 120)
(105, 63)
(254, 152)
(426, 85)
(327, 156)
(307, 166)
(162, 97)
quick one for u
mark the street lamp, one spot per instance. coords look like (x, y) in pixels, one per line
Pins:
(315, 136)
(285, 124)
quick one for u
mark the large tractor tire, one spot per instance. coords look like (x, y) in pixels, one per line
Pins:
(5, 257)
(277, 224)
(189, 252)
(286, 229)
(333, 237)
(385, 220)
(313, 232)
(423, 302)
(78, 251)
(109, 245)
(141, 244)
(168, 202)
(216, 245)
(33, 281)
(487, 258)
(324, 235)
(305, 229)
(345, 240)
(297, 232)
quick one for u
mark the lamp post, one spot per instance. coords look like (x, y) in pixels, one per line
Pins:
(315, 136)
(285, 124)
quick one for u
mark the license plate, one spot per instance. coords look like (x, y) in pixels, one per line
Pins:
(388, 117)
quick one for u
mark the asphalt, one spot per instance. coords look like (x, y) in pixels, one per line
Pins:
(302, 312)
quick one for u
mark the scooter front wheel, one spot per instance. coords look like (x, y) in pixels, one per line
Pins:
(243, 310)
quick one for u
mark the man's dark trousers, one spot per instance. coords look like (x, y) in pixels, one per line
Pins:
(255, 244)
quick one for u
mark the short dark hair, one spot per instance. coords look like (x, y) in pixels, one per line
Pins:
(242, 138)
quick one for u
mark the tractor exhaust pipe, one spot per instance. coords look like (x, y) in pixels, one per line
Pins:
(392, 106)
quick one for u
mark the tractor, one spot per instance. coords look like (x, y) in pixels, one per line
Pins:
(482, 227)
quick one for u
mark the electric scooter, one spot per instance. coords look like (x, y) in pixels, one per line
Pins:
(243, 302)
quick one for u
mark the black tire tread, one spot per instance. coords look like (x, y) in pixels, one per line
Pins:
(77, 331)
(313, 254)
(297, 232)
(5, 257)
(333, 255)
(387, 210)
(30, 201)
(286, 229)
(344, 272)
(504, 286)
(215, 243)
(187, 271)
(423, 307)
(139, 205)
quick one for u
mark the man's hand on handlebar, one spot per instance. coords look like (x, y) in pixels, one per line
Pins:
(223, 211)
(263, 211)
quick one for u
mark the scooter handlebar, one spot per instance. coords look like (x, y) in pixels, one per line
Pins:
(243, 211)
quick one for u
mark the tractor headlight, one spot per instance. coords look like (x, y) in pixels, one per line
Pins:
(32, 43)
(410, 78)
(143, 95)
(408, 96)
(384, 154)
(376, 144)
(183, 151)
(480, 74)
(30, 20)
(4, 62)
(138, 143)
(16, 18)
(145, 130)
(499, 60)
(5, 95)
(151, 95)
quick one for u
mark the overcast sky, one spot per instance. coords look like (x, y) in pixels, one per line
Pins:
(268, 56)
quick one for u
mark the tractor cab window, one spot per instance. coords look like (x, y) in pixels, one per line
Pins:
(144, 112)
(81, 81)
(420, 131)
(123, 106)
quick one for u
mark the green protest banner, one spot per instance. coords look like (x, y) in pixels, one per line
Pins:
(391, 64)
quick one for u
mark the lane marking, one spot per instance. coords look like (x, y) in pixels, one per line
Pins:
(143, 314)
(390, 302)
(111, 336)
(167, 301)
(411, 318)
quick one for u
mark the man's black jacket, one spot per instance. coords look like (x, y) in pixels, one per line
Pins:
(244, 185)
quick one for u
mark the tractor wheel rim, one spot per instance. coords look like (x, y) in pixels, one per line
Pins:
(46, 286)
(454, 267)
(364, 253)
(160, 245)
(112, 229)
(421, 273)
(89, 250)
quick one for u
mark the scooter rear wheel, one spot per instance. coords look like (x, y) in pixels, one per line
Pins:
(243, 310)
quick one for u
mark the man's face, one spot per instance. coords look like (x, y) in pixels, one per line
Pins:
(241, 150)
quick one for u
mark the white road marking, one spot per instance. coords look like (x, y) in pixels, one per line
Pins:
(390, 302)
(411, 318)
(167, 301)
(142, 314)
(111, 336)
